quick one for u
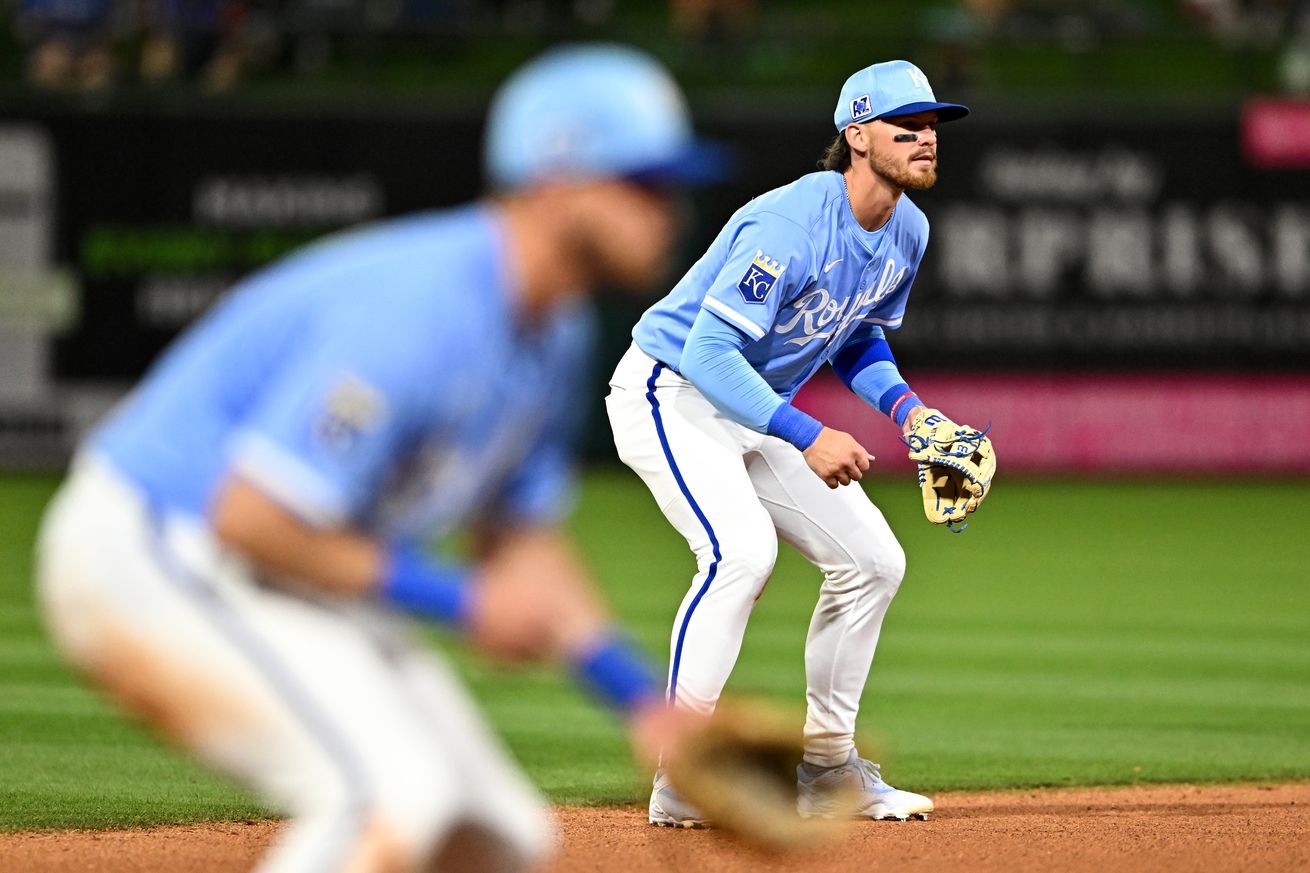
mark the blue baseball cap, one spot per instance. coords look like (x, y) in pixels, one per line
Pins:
(887, 90)
(594, 111)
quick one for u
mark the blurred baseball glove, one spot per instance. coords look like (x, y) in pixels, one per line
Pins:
(956, 464)
(740, 772)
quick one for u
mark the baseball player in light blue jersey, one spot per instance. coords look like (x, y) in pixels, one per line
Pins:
(221, 554)
(811, 273)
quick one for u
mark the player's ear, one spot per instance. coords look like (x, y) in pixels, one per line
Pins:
(857, 138)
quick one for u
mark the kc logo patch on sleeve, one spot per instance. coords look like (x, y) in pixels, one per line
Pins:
(352, 409)
(760, 276)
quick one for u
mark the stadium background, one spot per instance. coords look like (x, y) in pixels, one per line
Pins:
(1119, 279)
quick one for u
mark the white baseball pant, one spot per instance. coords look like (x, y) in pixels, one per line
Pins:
(732, 492)
(320, 706)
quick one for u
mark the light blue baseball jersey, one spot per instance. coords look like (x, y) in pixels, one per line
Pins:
(381, 378)
(796, 273)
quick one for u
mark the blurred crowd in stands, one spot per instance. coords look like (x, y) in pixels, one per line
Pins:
(1263, 23)
(1268, 27)
(88, 45)
(71, 44)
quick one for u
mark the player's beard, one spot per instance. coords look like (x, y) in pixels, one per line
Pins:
(905, 175)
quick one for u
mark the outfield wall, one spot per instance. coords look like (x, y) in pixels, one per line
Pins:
(1092, 262)
(1134, 424)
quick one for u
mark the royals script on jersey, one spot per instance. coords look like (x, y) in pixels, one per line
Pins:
(795, 272)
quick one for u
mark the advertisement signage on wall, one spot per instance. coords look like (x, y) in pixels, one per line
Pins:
(1055, 243)
(1116, 246)
(1103, 244)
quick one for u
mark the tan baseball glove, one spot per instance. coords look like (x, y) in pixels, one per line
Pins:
(740, 772)
(956, 464)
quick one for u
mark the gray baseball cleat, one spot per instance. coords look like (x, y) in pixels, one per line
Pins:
(668, 809)
(826, 792)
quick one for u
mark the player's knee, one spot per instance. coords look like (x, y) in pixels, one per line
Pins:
(340, 832)
(750, 559)
(381, 848)
(883, 567)
(415, 815)
(407, 807)
(476, 848)
(889, 566)
(510, 846)
(895, 565)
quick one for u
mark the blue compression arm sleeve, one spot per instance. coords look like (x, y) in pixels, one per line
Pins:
(616, 673)
(712, 361)
(868, 369)
(425, 587)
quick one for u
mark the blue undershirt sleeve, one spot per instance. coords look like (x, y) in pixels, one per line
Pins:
(712, 361)
(866, 345)
(867, 367)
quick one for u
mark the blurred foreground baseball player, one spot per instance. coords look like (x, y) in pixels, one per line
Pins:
(220, 552)
(810, 273)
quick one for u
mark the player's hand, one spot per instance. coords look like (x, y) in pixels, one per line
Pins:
(912, 419)
(836, 458)
(658, 730)
(532, 599)
(738, 767)
(956, 464)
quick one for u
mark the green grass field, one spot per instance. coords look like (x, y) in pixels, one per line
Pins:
(1079, 633)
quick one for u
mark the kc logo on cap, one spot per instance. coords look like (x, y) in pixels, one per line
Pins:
(886, 90)
(918, 78)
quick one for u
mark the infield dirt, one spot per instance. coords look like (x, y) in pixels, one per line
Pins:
(1170, 828)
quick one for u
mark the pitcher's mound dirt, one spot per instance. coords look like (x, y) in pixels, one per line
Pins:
(1171, 828)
